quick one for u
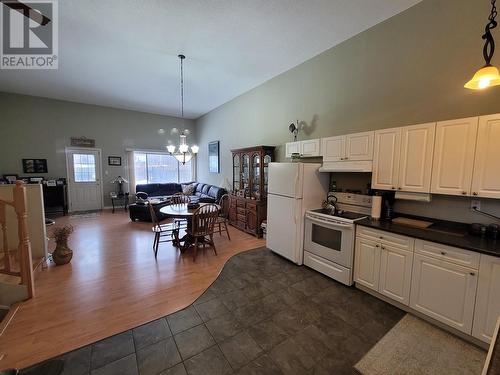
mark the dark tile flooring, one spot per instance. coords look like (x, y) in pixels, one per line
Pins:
(263, 315)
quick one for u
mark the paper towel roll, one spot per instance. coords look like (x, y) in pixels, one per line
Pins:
(376, 206)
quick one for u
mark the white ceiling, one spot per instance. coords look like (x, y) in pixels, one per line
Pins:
(123, 53)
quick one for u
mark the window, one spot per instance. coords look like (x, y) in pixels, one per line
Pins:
(160, 168)
(84, 167)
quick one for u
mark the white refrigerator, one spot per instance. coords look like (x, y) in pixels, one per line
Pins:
(294, 188)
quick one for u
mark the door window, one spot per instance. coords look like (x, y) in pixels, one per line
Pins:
(327, 237)
(84, 168)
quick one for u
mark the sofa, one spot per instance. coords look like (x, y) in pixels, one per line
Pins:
(203, 193)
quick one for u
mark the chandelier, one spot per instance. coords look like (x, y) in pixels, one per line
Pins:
(183, 154)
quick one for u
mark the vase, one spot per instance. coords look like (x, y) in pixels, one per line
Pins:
(62, 254)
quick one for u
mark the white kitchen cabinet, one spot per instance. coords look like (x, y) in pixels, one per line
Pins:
(453, 160)
(486, 176)
(367, 263)
(292, 148)
(417, 148)
(309, 148)
(444, 291)
(333, 148)
(395, 273)
(351, 147)
(387, 143)
(359, 146)
(488, 298)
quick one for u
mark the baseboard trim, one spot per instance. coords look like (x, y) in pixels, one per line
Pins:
(8, 318)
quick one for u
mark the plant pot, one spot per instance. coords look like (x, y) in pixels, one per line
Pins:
(62, 254)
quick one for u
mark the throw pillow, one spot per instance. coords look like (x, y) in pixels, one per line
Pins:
(188, 189)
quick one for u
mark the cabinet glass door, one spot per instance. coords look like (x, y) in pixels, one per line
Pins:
(236, 173)
(267, 160)
(245, 171)
(256, 176)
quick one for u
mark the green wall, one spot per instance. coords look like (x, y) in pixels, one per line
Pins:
(34, 127)
(406, 70)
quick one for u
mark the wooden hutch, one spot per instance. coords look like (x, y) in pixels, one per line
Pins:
(248, 199)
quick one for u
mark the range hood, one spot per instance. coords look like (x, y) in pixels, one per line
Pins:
(347, 166)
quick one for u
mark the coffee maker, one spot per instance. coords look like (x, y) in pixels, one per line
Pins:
(387, 205)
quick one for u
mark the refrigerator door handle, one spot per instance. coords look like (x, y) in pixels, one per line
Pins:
(296, 186)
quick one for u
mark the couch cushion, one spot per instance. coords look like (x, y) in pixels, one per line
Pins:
(159, 190)
(206, 188)
(199, 188)
(214, 191)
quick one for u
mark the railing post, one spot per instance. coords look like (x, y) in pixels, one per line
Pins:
(24, 242)
(5, 248)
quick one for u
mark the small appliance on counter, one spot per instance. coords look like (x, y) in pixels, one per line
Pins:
(329, 235)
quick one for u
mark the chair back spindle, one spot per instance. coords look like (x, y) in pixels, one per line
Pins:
(204, 219)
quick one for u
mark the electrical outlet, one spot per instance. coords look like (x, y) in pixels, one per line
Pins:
(475, 204)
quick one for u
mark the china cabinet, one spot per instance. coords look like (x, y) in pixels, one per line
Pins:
(248, 203)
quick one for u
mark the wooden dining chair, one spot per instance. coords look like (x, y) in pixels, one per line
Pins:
(179, 198)
(202, 226)
(170, 230)
(223, 218)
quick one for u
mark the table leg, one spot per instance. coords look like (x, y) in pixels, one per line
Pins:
(113, 204)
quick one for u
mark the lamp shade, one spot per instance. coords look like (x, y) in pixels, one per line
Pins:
(119, 180)
(195, 149)
(171, 148)
(485, 77)
(183, 158)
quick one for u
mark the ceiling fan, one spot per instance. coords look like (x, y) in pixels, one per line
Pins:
(27, 11)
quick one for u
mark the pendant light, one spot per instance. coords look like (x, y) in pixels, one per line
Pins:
(488, 75)
(183, 155)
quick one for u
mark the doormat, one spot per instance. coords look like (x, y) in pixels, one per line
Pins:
(415, 347)
(85, 215)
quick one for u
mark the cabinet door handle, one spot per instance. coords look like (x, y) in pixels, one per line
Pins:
(473, 274)
(443, 253)
(377, 246)
(346, 158)
(399, 188)
(393, 188)
(381, 237)
(464, 192)
(383, 248)
(475, 193)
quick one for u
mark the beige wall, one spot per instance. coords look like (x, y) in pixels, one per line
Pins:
(34, 127)
(407, 70)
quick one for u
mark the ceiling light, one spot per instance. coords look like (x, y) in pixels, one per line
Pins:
(488, 75)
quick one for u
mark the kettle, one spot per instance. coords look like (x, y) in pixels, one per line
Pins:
(330, 204)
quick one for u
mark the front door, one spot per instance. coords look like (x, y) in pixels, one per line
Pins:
(84, 179)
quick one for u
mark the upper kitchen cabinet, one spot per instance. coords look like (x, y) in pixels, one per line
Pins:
(351, 147)
(417, 148)
(387, 144)
(292, 148)
(359, 146)
(453, 160)
(308, 148)
(333, 148)
(486, 176)
(402, 158)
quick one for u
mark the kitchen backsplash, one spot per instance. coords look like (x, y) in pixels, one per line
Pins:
(444, 207)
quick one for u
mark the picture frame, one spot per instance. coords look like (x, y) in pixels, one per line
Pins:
(213, 157)
(35, 166)
(115, 161)
(11, 178)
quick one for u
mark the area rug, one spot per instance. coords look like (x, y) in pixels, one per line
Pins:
(415, 347)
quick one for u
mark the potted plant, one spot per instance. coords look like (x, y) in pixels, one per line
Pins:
(62, 253)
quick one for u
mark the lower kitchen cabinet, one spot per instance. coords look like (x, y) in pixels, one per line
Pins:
(395, 273)
(444, 291)
(488, 298)
(367, 263)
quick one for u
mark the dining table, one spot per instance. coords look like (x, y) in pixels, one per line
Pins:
(183, 211)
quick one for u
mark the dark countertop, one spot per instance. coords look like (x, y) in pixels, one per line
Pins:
(443, 232)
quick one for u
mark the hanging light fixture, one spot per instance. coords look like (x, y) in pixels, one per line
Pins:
(183, 155)
(488, 75)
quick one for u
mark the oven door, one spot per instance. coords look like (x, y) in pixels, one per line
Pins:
(331, 240)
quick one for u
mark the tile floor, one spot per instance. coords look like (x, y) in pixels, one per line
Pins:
(263, 315)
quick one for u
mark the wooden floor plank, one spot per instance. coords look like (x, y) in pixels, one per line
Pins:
(112, 284)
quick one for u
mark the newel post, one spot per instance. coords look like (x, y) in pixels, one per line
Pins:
(20, 205)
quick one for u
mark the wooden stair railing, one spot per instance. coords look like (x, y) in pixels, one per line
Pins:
(25, 271)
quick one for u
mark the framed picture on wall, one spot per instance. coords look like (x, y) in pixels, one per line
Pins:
(213, 157)
(34, 165)
(115, 161)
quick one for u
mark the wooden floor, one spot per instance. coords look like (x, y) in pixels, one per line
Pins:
(112, 284)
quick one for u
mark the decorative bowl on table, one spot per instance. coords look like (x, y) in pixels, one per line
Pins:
(193, 205)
